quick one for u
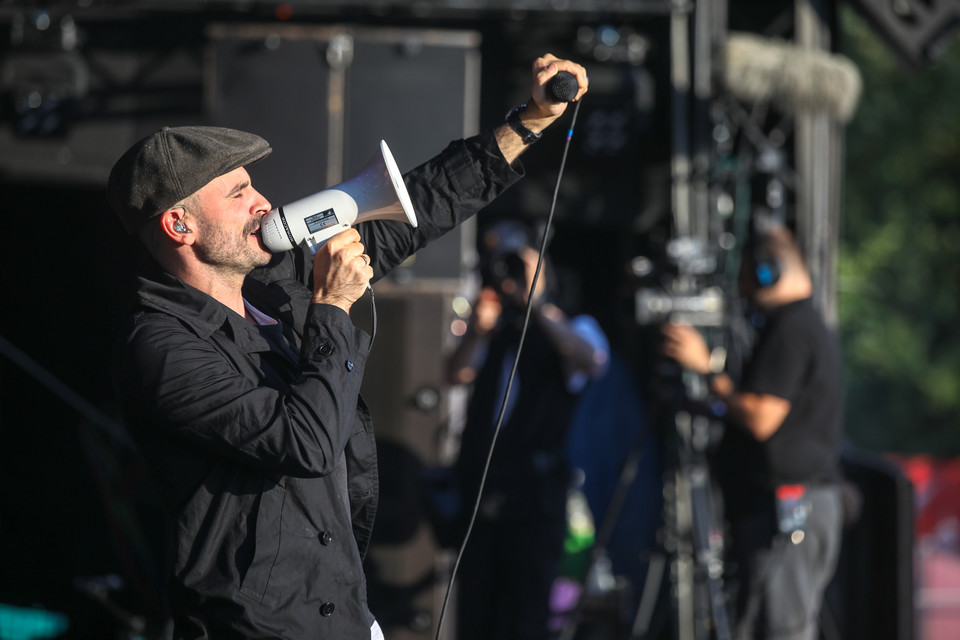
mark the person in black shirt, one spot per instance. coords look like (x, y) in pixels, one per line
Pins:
(239, 372)
(511, 560)
(777, 464)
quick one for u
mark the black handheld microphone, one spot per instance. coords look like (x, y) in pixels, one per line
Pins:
(562, 87)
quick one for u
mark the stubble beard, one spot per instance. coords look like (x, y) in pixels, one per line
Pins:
(229, 254)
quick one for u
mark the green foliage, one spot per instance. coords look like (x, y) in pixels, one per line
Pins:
(899, 271)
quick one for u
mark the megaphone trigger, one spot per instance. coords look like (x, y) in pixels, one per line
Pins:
(377, 192)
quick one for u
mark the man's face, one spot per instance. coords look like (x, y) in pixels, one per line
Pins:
(228, 221)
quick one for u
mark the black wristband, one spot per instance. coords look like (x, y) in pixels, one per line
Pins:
(513, 119)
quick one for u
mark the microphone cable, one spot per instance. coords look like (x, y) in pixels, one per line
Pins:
(503, 405)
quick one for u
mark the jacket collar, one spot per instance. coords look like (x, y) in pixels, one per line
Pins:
(161, 291)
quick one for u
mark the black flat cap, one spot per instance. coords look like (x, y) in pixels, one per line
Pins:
(169, 165)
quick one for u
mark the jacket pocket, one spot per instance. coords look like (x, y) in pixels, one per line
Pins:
(266, 543)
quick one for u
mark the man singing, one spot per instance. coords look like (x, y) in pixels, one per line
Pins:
(239, 371)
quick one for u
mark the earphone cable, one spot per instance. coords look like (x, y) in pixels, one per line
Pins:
(373, 315)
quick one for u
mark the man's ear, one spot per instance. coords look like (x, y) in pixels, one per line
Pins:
(175, 225)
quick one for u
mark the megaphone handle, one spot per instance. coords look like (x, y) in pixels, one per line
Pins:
(313, 246)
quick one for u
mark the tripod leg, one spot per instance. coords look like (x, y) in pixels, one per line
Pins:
(648, 600)
(707, 540)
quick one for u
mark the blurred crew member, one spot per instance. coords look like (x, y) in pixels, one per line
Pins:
(778, 461)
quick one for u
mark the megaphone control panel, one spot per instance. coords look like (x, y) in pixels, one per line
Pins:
(376, 193)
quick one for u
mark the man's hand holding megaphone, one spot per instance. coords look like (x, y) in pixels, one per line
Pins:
(341, 270)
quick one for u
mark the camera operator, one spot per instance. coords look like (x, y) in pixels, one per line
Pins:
(778, 461)
(510, 563)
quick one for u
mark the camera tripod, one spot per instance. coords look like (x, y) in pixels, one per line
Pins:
(692, 541)
(691, 538)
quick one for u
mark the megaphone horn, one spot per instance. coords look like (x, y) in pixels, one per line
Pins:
(376, 193)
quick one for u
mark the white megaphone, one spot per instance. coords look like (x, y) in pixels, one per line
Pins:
(376, 193)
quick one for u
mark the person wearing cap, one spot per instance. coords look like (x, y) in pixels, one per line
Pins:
(239, 371)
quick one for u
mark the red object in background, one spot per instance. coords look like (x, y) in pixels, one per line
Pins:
(937, 543)
(937, 491)
(791, 491)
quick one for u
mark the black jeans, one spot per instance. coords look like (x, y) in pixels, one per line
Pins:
(506, 575)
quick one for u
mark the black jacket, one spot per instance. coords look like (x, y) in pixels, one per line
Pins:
(529, 472)
(265, 463)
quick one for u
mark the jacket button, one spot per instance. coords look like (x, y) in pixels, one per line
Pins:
(349, 365)
(325, 350)
(326, 538)
(326, 609)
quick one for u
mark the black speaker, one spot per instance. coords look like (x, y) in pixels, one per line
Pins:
(324, 96)
(918, 30)
(872, 592)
